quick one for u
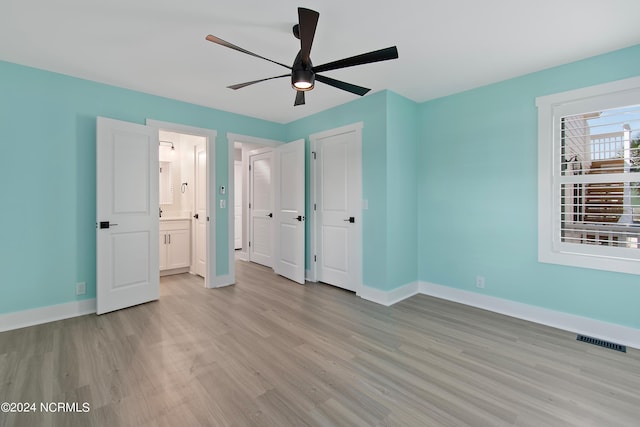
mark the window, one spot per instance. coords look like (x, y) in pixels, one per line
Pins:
(589, 177)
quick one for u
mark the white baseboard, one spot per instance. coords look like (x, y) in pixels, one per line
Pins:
(569, 322)
(581, 325)
(388, 298)
(174, 271)
(242, 256)
(37, 316)
(307, 275)
(221, 281)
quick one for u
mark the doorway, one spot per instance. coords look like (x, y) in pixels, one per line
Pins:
(192, 157)
(240, 150)
(128, 245)
(273, 226)
(183, 198)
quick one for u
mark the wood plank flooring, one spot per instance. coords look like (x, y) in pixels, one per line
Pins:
(269, 352)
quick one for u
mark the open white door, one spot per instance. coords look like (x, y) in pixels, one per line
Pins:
(289, 189)
(260, 207)
(127, 215)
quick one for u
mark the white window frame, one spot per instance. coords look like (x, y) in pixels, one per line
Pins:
(551, 109)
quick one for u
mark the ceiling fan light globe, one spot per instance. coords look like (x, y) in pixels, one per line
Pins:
(303, 85)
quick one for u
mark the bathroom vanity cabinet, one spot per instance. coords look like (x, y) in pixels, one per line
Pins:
(175, 245)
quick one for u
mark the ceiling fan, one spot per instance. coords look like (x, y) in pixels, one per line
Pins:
(303, 73)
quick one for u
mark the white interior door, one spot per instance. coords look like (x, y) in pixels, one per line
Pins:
(237, 197)
(338, 209)
(200, 208)
(260, 207)
(289, 189)
(127, 215)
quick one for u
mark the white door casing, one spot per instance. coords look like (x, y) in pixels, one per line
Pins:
(337, 195)
(289, 213)
(200, 210)
(211, 278)
(247, 144)
(127, 215)
(237, 197)
(260, 207)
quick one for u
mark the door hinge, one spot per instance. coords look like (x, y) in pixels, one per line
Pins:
(314, 207)
(249, 167)
(249, 205)
(314, 155)
(249, 243)
(315, 258)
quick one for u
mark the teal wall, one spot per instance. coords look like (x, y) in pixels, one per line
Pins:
(453, 180)
(477, 196)
(402, 189)
(47, 170)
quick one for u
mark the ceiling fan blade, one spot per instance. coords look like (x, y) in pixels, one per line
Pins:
(308, 21)
(365, 58)
(224, 43)
(299, 98)
(241, 85)
(358, 90)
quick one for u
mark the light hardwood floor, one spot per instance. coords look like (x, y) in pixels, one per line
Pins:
(268, 352)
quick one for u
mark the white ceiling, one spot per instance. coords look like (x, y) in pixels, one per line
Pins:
(446, 46)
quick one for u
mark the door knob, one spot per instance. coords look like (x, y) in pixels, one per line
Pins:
(196, 216)
(350, 219)
(299, 218)
(270, 215)
(106, 224)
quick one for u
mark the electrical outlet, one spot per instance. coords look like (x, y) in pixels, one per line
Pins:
(223, 203)
(81, 288)
(480, 282)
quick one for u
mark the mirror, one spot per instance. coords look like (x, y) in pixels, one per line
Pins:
(166, 184)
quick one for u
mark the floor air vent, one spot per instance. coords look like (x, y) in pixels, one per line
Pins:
(602, 343)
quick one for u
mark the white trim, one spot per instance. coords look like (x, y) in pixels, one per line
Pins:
(52, 313)
(588, 92)
(391, 297)
(232, 138)
(221, 281)
(176, 271)
(556, 319)
(210, 135)
(337, 131)
(313, 248)
(550, 109)
(568, 322)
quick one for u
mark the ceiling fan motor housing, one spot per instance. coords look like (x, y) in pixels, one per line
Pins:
(302, 76)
